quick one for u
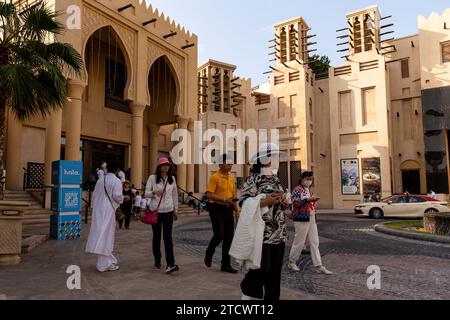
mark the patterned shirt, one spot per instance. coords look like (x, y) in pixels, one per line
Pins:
(300, 197)
(275, 219)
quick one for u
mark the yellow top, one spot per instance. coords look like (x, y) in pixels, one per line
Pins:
(222, 185)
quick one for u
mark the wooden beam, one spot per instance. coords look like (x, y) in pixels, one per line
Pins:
(188, 46)
(149, 21)
(124, 7)
(170, 35)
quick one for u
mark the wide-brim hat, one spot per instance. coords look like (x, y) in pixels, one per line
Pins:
(267, 151)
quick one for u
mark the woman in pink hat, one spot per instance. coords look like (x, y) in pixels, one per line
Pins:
(162, 185)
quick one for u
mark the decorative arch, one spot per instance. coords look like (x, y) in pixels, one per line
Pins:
(94, 20)
(163, 90)
(177, 65)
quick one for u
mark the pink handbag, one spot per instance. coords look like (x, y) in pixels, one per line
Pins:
(151, 217)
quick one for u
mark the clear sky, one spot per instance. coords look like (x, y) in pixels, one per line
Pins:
(238, 31)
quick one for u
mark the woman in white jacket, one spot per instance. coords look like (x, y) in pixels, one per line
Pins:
(167, 211)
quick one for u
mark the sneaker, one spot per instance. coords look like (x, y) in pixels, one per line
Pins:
(157, 265)
(172, 269)
(323, 270)
(292, 266)
(113, 267)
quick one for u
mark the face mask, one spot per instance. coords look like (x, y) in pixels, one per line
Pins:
(267, 171)
(307, 184)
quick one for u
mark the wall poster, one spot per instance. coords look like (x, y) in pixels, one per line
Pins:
(371, 176)
(350, 177)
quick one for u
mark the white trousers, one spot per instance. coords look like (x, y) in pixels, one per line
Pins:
(103, 262)
(305, 230)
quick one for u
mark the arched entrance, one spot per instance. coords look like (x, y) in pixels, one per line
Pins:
(107, 65)
(164, 93)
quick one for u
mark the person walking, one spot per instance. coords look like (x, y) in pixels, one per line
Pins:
(304, 216)
(162, 189)
(259, 243)
(221, 194)
(107, 198)
(127, 205)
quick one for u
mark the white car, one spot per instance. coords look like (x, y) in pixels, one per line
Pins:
(401, 206)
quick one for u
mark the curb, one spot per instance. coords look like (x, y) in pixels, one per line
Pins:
(381, 228)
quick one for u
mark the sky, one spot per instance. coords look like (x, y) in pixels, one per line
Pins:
(238, 31)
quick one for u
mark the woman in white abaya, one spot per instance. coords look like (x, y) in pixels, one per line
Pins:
(106, 199)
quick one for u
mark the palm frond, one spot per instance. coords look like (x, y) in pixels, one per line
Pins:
(7, 9)
(39, 21)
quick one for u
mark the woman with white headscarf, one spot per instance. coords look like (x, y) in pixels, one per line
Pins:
(263, 186)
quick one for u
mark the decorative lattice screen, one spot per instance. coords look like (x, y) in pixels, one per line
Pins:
(35, 176)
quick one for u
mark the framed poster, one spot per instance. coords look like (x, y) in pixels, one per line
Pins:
(371, 175)
(350, 176)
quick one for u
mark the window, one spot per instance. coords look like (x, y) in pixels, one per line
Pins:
(405, 68)
(369, 106)
(116, 78)
(282, 108)
(417, 200)
(279, 79)
(283, 45)
(345, 111)
(357, 35)
(400, 200)
(445, 51)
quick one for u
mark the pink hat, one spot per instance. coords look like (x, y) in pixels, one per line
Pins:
(162, 161)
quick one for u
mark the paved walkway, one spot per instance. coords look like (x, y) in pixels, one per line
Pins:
(42, 274)
(409, 269)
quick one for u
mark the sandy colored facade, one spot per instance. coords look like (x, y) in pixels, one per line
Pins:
(225, 103)
(140, 76)
(361, 127)
(377, 124)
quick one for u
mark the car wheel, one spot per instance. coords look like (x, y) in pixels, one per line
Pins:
(376, 213)
(432, 211)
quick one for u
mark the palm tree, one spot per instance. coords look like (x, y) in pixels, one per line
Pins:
(33, 66)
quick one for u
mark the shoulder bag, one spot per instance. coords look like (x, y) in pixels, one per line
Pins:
(151, 217)
(119, 213)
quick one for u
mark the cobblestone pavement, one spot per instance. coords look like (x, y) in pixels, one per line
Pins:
(42, 273)
(349, 245)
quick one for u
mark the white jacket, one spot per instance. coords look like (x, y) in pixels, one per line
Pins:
(170, 199)
(249, 236)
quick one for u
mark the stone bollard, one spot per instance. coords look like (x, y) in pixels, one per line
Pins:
(437, 223)
(11, 215)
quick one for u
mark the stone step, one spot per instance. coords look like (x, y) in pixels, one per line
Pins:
(15, 192)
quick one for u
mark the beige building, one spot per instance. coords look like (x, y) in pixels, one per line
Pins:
(140, 76)
(377, 124)
(362, 128)
(225, 103)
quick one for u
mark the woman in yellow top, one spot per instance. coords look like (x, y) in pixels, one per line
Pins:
(222, 204)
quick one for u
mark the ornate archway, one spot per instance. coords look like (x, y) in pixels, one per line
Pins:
(164, 92)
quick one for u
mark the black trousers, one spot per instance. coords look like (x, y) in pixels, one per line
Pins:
(127, 213)
(165, 222)
(265, 282)
(222, 220)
